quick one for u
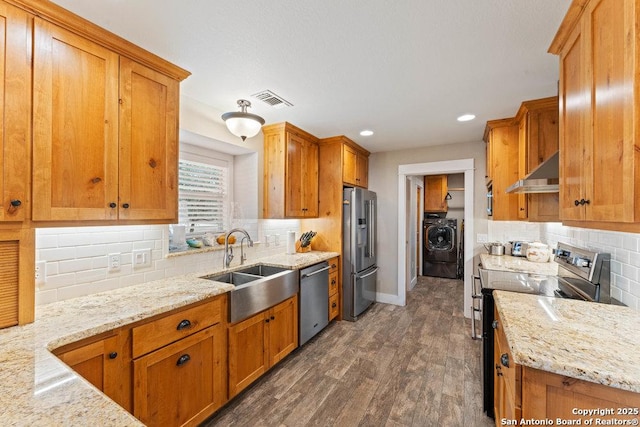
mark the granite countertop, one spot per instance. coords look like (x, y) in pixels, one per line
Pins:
(589, 341)
(519, 264)
(38, 389)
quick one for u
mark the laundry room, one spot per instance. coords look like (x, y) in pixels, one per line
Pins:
(443, 226)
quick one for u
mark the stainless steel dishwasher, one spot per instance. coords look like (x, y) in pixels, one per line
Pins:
(314, 300)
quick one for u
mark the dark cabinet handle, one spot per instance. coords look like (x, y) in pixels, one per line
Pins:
(576, 202)
(113, 205)
(273, 318)
(498, 370)
(184, 325)
(96, 180)
(15, 203)
(266, 321)
(504, 359)
(125, 205)
(494, 324)
(113, 355)
(183, 359)
(585, 202)
(333, 266)
(333, 281)
(334, 305)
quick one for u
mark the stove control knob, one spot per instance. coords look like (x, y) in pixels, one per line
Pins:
(494, 324)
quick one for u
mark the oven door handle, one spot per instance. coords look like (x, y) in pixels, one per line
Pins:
(474, 297)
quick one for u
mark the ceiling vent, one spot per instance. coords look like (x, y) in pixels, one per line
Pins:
(276, 101)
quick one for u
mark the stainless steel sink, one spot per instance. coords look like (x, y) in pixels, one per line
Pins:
(263, 270)
(235, 278)
(257, 288)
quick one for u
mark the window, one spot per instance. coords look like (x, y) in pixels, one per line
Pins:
(203, 190)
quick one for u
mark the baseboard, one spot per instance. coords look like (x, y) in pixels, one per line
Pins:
(389, 299)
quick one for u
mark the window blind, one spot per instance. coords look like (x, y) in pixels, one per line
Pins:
(202, 197)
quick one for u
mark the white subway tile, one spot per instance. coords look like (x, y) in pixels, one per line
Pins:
(630, 272)
(74, 265)
(45, 241)
(154, 275)
(58, 254)
(46, 297)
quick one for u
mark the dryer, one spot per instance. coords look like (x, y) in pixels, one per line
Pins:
(440, 254)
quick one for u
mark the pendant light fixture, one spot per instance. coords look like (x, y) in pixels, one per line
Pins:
(243, 124)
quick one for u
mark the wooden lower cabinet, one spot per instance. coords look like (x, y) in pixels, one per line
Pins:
(182, 383)
(521, 392)
(261, 341)
(17, 275)
(104, 361)
(334, 288)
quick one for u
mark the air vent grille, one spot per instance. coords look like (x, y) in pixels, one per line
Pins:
(268, 97)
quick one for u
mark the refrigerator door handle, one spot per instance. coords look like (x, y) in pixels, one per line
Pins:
(368, 274)
(372, 222)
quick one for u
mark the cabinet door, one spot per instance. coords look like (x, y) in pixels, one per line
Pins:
(609, 177)
(15, 111)
(248, 357)
(435, 191)
(301, 177)
(105, 364)
(362, 170)
(176, 383)
(523, 160)
(148, 144)
(75, 132)
(574, 113)
(283, 330)
(504, 147)
(349, 165)
(17, 266)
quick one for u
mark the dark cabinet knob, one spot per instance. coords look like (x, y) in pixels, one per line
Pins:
(113, 355)
(266, 321)
(585, 202)
(334, 305)
(333, 281)
(504, 359)
(184, 324)
(494, 324)
(113, 205)
(183, 359)
(15, 203)
(498, 370)
(273, 318)
(333, 266)
(125, 205)
(576, 202)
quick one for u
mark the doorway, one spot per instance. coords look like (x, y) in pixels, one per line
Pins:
(465, 166)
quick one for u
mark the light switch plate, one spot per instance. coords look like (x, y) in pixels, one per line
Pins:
(142, 258)
(482, 238)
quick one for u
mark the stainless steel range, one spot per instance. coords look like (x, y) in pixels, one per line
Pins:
(582, 274)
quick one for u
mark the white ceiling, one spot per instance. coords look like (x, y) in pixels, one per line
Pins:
(404, 69)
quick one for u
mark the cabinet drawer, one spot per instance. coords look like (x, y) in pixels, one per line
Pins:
(333, 265)
(334, 307)
(333, 283)
(173, 327)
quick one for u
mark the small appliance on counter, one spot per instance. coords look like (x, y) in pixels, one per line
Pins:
(519, 248)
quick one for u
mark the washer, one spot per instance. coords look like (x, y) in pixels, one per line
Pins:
(440, 257)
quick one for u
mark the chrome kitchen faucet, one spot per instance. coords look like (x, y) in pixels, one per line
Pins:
(228, 250)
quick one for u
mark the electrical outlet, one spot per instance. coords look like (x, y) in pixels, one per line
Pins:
(41, 273)
(142, 258)
(114, 262)
(482, 238)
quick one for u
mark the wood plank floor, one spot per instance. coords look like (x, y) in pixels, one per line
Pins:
(396, 366)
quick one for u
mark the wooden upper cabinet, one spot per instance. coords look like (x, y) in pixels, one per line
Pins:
(599, 114)
(538, 140)
(290, 172)
(148, 143)
(75, 135)
(355, 166)
(105, 124)
(502, 138)
(15, 112)
(435, 193)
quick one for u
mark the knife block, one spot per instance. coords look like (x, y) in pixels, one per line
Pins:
(300, 249)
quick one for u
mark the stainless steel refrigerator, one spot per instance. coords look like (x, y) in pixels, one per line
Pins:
(359, 268)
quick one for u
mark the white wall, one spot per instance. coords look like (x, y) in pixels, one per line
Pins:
(623, 247)
(383, 179)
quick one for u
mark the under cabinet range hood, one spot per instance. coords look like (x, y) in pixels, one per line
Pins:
(543, 179)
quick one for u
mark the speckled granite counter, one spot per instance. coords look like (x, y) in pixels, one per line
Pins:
(37, 389)
(520, 264)
(588, 341)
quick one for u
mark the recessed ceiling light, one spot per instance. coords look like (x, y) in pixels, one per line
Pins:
(366, 133)
(466, 117)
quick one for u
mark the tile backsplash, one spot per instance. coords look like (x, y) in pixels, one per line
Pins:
(77, 257)
(623, 247)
